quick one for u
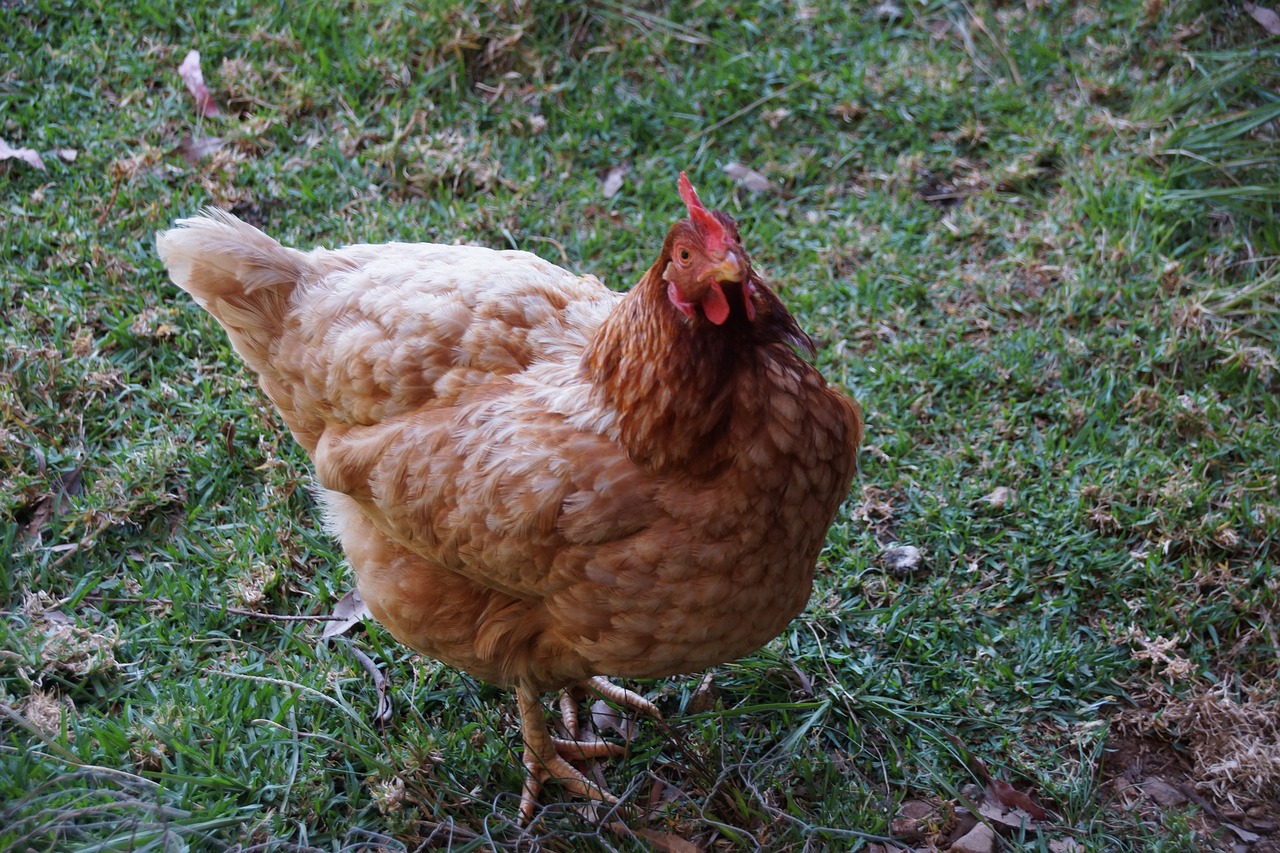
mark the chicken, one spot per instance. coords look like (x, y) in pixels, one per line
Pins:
(536, 479)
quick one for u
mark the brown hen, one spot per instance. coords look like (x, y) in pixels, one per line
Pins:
(536, 479)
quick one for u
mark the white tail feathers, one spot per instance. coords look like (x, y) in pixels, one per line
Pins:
(236, 273)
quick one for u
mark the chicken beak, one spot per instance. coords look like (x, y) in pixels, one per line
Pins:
(732, 268)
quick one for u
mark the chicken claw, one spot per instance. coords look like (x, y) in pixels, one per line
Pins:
(546, 757)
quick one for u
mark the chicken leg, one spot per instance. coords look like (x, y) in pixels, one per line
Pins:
(547, 757)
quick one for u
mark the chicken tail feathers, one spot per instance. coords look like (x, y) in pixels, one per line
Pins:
(236, 273)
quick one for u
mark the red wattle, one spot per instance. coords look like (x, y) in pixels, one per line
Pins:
(714, 305)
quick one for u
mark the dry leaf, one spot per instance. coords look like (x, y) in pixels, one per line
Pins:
(980, 839)
(848, 111)
(604, 716)
(57, 501)
(901, 559)
(613, 179)
(775, 118)
(191, 74)
(1269, 20)
(1243, 834)
(749, 178)
(1012, 798)
(806, 683)
(195, 149)
(26, 155)
(1000, 497)
(68, 155)
(661, 793)
(705, 696)
(1001, 792)
(347, 613)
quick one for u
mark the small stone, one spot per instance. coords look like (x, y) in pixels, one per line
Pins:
(965, 822)
(915, 809)
(1163, 794)
(901, 559)
(980, 839)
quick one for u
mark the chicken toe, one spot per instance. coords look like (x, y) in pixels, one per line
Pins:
(603, 687)
(622, 696)
(546, 757)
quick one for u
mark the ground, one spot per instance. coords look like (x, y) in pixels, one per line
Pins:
(1036, 239)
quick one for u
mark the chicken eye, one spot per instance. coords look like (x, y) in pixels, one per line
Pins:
(684, 254)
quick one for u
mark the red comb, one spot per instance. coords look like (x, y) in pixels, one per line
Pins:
(710, 226)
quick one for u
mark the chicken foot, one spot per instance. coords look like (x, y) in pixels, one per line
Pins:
(547, 757)
(605, 688)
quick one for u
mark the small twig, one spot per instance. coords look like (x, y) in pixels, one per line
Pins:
(382, 716)
(564, 256)
(234, 611)
(451, 829)
(111, 202)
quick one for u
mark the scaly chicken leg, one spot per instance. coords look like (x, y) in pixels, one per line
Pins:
(547, 757)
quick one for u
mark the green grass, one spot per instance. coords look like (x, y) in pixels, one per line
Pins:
(1085, 309)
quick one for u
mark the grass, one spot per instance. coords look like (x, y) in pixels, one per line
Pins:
(1037, 242)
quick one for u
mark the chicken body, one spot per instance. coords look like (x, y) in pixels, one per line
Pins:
(536, 479)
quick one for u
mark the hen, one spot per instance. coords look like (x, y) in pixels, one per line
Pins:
(536, 479)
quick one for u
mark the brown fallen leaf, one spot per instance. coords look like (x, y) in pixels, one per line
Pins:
(666, 842)
(1011, 797)
(805, 683)
(604, 717)
(705, 696)
(57, 501)
(1269, 20)
(26, 155)
(68, 155)
(749, 178)
(848, 111)
(191, 74)
(1000, 497)
(661, 793)
(1002, 792)
(613, 179)
(347, 613)
(195, 149)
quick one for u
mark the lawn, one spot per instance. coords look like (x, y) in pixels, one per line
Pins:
(1037, 240)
